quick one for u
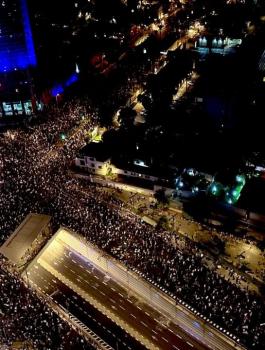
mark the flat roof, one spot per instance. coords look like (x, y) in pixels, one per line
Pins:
(21, 239)
(96, 150)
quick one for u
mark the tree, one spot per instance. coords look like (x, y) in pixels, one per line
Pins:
(161, 197)
(163, 223)
(127, 116)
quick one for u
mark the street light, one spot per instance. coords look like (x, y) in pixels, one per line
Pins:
(63, 137)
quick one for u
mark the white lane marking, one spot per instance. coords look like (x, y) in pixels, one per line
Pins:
(133, 316)
(165, 339)
(114, 302)
(190, 344)
(179, 336)
(138, 307)
(147, 313)
(113, 289)
(154, 331)
(122, 307)
(144, 324)
(175, 347)
(121, 295)
(97, 277)
(102, 292)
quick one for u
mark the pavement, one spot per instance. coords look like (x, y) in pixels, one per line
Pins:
(239, 252)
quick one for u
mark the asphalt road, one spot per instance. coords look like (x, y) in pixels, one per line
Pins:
(74, 304)
(139, 316)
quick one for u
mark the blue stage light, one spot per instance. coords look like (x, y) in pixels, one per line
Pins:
(16, 46)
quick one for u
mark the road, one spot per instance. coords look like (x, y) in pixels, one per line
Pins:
(74, 304)
(64, 274)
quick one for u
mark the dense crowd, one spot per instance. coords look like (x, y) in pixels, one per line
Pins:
(36, 179)
(26, 319)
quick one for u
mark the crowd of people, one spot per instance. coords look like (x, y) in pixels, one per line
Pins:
(36, 179)
(26, 320)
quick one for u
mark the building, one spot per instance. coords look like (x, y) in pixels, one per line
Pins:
(27, 238)
(94, 158)
(17, 58)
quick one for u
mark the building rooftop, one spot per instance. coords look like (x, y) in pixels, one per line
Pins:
(22, 238)
(96, 150)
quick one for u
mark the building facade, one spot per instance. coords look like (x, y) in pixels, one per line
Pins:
(17, 58)
(94, 159)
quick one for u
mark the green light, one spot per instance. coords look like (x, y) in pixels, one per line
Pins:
(62, 137)
(241, 179)
(215, 189)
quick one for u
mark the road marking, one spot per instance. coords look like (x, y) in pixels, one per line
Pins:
(179, 336)
(154, 331)
(144, 324)
(114, 302)
(113, 289)
(97, 277)
(121, 295)
(165, 339)
(190, 344)
(175, 347)
(102, 292)
(147, 314)
(122, 307)
(133, 316)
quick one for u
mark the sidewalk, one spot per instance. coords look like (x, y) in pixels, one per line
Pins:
(241, 262)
